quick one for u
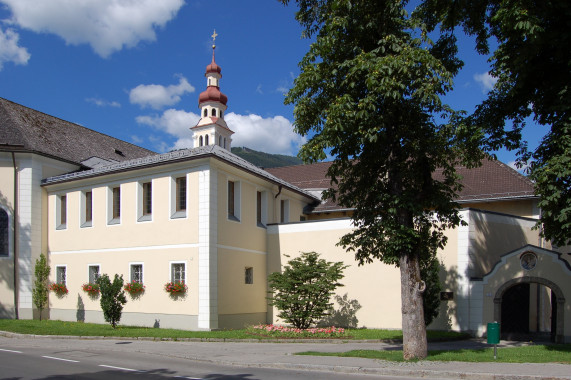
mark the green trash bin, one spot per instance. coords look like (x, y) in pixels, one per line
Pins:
(493, 333)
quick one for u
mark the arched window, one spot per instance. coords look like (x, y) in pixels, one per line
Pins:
(205, 112)
(206, 140)
(221, 113)
(224, 142)
(220, 140)
(200, 141)
(214, 112)
(4, 233)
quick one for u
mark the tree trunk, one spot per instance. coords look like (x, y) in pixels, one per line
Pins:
(413, 328)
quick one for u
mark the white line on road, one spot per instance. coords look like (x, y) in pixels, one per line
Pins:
(190, 378)
(65, 360)
(120, 368)
(16, 352)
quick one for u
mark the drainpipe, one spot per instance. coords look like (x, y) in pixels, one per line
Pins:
(16, 222)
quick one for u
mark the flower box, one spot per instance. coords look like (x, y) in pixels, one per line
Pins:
(90, 288)
(59, 289)
(174, 288)
(134, 288)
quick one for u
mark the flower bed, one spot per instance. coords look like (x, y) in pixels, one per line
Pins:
(59, 289)
(292, 332)
(134, 288)
(90, 288)
(175, 288)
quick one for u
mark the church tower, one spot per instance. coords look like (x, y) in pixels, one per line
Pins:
(212, 128)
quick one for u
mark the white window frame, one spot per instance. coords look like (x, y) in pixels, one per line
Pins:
(57, 274)
(142, 271)
(173, 197)
(110, 219)
(89, 266)
(60, 223)
(82, 209)
(141, 217)
(264, 208)
(171, 263)
(237, 204)
(284, 215)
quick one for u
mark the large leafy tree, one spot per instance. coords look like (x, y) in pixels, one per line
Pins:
(369, 95)
(532, 64)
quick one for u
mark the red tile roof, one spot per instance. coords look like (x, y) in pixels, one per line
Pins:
(492, 181)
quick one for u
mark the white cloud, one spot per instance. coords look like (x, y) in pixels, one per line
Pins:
(486, 81)
(107, 25)
(103, 103)
(9, 49)
(157, 96)
(259, 89)
(174, 122)
(270, 135)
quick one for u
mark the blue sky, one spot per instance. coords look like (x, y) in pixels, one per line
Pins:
(133, 69)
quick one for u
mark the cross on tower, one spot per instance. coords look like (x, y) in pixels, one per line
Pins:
(214, 35)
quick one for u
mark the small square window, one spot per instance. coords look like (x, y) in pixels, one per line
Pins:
(137, 273)
(61, 275)
(178, 272)
(249, 275)
(93, 273)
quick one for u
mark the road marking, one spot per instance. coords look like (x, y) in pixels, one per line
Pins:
(120, 368)
(190, 378)
(16, 352)
(65, 360)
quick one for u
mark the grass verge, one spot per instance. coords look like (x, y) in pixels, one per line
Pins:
(560, 353)
(51, 327)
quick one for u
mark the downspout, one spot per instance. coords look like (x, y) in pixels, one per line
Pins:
(16, 223)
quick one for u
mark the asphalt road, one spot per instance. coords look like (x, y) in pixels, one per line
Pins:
(54, 359)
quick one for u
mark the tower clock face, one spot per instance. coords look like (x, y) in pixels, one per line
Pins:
(528, 261)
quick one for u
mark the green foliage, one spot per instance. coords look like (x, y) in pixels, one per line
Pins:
(112, 298)
(369, 95)
(265, 160)
(302, 292)
(429, 272)
(41, 287)
(532, 64)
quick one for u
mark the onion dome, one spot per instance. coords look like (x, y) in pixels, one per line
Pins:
(213, 67)
(212, 94)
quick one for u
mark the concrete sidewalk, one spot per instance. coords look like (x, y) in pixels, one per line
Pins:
(282, 355)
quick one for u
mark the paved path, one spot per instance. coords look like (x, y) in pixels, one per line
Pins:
(281, 355)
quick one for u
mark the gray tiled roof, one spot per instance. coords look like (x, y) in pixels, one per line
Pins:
(177, 156)
(25, 129)
(492, 181)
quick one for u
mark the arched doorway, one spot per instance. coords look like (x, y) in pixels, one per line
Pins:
(517, 295)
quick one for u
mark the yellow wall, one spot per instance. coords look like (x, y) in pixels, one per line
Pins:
(376, 286)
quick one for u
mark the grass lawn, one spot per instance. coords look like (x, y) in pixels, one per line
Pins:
(560, 353)
(51, 327)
